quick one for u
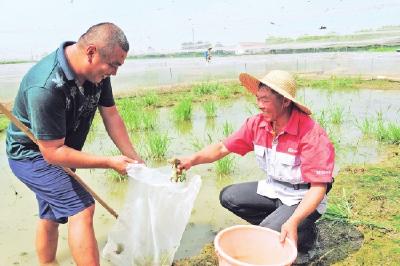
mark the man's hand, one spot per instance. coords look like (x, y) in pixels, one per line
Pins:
(308, 205)
(208, 154)
(184, 164)
(289, 229)
(119, 163)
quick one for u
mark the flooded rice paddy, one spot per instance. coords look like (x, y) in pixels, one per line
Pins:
(344, 113)
(143, 73)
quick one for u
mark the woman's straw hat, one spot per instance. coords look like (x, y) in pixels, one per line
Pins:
(280, 81)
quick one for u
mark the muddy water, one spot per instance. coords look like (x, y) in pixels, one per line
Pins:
(18, 205)
(166, 71)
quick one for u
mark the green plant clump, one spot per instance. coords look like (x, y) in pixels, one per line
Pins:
(157, 145)
(225, 165)
(183, 110)
(210, 109)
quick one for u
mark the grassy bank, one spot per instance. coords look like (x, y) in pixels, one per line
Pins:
(231, 89)
(368, 197)
(344, 83)
(5, 62)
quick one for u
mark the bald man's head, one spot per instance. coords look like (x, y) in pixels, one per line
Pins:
(106, 36)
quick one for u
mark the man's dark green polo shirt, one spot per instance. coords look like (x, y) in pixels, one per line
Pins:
(52, 106)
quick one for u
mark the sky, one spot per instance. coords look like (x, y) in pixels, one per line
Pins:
(32, 28)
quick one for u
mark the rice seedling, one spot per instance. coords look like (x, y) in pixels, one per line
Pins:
(210, 109)
(93, 128)
(336, 115)
(157, 145)
(183, 127)
(131, 112)
(151, 99)
(211, 124)
(114, 175)
(236, 89)
(227, 129)
(334, 137)
(198, 144)
(225, 165)
(183, 110)
(322, 119)
(205, 88)
(149, 120)
(366, 126)
(389, 133)
(224, 92)
(133, 119)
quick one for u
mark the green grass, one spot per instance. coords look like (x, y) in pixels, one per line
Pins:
(183, 110)
(339, 208)
(383, 49)
(157, 145)
(367, 196)
(332, 83)
(5, 62)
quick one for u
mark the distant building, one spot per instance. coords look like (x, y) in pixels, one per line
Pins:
(190, 46)
(251, 48)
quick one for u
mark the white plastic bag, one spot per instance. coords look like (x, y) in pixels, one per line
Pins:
(150, 227)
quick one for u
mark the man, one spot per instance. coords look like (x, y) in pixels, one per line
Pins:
(207, 55)
(293, 151)
(57, 101)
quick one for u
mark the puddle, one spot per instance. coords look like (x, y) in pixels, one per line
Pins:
(18, 205)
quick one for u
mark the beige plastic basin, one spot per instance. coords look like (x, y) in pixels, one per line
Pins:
(250, 245)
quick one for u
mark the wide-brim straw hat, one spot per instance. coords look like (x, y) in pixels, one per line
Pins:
(280, 81)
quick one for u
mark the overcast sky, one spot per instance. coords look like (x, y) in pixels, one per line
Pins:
(34, 27)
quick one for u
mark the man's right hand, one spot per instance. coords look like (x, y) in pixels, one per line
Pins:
(185, 163)
(119, 163)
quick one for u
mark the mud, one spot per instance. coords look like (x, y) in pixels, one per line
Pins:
(336, 240)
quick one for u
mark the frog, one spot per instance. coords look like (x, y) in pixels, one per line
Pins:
(176, 175)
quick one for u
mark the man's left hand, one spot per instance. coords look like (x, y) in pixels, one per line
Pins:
(289, 229)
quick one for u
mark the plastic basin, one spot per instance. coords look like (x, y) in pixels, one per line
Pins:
(250, 245)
